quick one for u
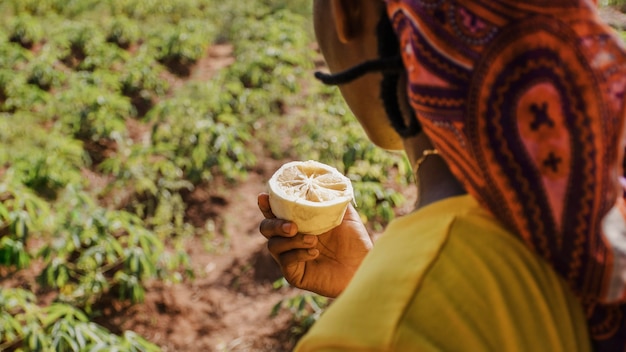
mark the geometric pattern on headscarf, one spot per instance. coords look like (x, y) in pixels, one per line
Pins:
(525, 102)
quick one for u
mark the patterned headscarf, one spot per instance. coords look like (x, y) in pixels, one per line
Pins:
(525, 102)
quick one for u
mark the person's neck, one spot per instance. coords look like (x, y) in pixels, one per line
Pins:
(434, 180)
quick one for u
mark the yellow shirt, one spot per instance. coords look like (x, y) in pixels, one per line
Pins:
(449, 277)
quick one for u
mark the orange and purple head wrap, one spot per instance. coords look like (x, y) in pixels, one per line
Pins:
(525, 102)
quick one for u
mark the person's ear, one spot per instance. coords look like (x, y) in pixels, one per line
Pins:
(347, 16)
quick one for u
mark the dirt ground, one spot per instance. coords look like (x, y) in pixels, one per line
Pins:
(227, 307)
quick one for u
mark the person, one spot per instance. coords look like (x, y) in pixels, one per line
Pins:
(468, 272)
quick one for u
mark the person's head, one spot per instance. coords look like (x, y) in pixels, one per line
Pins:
(356, 36)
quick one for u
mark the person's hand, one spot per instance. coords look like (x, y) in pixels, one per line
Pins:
(324, 263)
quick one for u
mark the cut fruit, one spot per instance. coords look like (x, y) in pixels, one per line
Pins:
(313, 195)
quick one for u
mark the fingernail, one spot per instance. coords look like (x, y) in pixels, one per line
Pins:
(308, 239)
(312, 251)
(287, 227)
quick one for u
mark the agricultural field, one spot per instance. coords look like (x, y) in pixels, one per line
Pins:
(135, 136)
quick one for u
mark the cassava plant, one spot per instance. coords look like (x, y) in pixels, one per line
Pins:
(96, 250)
(180, 45)
(27, 326)
(25, 30)
(22, 214)
(201, 138)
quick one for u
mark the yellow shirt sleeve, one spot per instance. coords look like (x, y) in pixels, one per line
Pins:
(450, 278)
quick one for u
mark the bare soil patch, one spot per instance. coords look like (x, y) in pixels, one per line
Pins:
(227, 306)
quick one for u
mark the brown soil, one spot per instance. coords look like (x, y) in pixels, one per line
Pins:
(227, 307)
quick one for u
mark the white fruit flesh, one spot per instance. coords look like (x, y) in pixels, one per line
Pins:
(313, 195)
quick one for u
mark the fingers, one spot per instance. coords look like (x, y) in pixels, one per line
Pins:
(286, 245)
(288, 251)
(277, 227)
(279, 245)
(264, 205)
(294, 257)
(272, 226)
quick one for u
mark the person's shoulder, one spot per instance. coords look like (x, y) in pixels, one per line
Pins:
(479, 251)
(450, 260)
(366, 314)
(410, 246)
(497, 291)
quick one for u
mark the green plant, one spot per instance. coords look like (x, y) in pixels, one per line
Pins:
(155, 183)
(91, 114)
(83, 47)
(104, 79)
(73, 8)
(74, 38)
(274, 54)
(65, 8)
(30, 7)
(201, 138)
(142, 81)
(21, 213)
(12, 55)
(104, 56)
(16, 94)
(25, 30)
(45, 161)
(142, 73)
(95, 249)
(25, 326)
(43, 72)
(162, 11)
(132, 8)
(180, 45)
(123, 31)
(305, 309)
